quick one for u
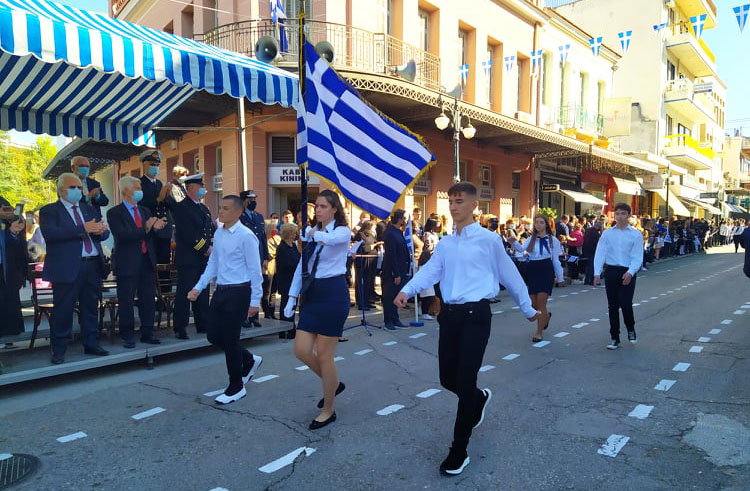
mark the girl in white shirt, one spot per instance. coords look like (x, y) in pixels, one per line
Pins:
(542, 251)
(737, 234)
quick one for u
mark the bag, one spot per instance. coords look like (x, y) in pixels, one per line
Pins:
(309, 277)
(435, 307)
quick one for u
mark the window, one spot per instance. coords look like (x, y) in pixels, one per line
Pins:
(169, 27)
(292, 8)
(516, 181)
(462, 170)
(424, 30)
(683, 130)
(544, 90)
(219, 163)
(485, 175)
(601, 95)
(584, 89)
(671, 70)
(670, 125)
(187, 22)
(489, 79)
(563, 85)
(283, 150)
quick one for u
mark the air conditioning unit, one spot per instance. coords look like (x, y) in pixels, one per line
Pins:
(216, 183)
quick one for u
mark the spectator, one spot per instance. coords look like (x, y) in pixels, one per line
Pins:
(287, 258)
(588, 250)
(13, 271)
(395, 270)
(430, 239)
(416, 222)
(365, 266)
(91, 193)
(268, 302)
(737, 230)
(575, 245)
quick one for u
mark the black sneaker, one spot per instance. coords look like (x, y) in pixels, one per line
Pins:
(487, 396)
(454, 463)
(631, 337)
(249, 370)
(614, 344)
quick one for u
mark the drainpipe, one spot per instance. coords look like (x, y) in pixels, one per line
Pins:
(538, 80)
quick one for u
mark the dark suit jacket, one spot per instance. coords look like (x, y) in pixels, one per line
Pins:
(396, 260)
(590, 241)
(745, 241)
(99, 201)
(258, 226)
(126, 256)
(13, 251)
(65, 240)
(151, 192)
(194, 231)
(287, 258)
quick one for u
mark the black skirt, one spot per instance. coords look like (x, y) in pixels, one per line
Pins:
(540, 276)
(325, 307)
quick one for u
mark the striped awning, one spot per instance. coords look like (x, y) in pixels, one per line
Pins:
(66, 71)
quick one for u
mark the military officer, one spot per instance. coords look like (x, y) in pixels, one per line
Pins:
(256, 223)
(194, 231)
(92, 193)
(154, 198)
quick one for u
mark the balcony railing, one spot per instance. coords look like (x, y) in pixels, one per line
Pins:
(688, 142)
(576, 116)
(355, 48)
(695, 92)
(687, 28)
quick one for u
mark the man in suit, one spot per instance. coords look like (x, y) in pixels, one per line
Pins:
(396, 267)
(257, 225)
(745, 242)
(134, 260)
(13, 271)
(75, 266)
(92, 193)
(154, 199)
(194, 231)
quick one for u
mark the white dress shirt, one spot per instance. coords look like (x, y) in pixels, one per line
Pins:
(537, 254)
(470, 267)
(69, 207)
(235, 259)
(333, 255)
(619, 247)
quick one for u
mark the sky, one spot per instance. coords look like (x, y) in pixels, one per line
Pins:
(726, 41)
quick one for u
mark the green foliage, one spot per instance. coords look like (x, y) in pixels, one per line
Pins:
(548, 212)
(21, 172)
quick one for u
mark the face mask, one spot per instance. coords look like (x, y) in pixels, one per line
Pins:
(493, 226)
(201, 193)
(83, 172)
(73, 195)
(153, 170)
(137, 195)
(251, 205)
(512, 226)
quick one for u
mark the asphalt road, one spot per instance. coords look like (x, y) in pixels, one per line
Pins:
(558, 419)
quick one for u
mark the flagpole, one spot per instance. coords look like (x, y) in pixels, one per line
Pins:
(303, 165)
(416, 322)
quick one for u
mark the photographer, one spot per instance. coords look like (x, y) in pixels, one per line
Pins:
(12, 269)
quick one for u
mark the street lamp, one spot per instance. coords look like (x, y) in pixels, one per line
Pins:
(443, 121)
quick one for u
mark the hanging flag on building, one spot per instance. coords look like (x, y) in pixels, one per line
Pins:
(278, 17)
(463, 71)
(487, 67)
(659, 27)
(370, 159)
(741, 14)
(625, 40)
(596, 45)
(510, 62)
(698, 22)
(536, 59)
(564, 50)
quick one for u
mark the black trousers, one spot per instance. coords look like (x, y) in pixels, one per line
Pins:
(85, 290)
(390, 290)
(227, 311)
(464, 333)
(268, 304)
(143, 284)
(737, 240)
(10, 308)
(619, 297)
(187, 277)
(364, 269)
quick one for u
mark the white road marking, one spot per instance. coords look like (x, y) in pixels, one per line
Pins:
(663, 294)
(219, 489)
(613, 445)
(670, 291)
(363, 352)
(594, 320)
(498, 312)
(574, 293)
(681, 367)
(338, 358)
(654, 298)
(71, 437)
(726, 321)
(511, 356)
(150, 412)
(641, 411)
(703, 339)
(486, 368)
(540, 344)
(428, 393)
(714, 331)
(636, 304)
(579, 325)
(665, 385)
(390, 343)
(302, 368)
(696, 349)
(563, 296)
(516, 307)
(561, 334)
(418, 335)
(644, 301)
(739, 312)
(266, 378)
(745, 307)
(390, 409)
(287, 459)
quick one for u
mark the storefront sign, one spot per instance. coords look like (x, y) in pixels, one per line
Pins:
(486, 193)
(422, 186)
(652, 181)
(549, 188)
(709, 195)
(705, 87)
(288, 175)
(596, 178)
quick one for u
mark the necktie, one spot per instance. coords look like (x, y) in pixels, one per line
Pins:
(139, 224)
(87, 245)
(543, 244)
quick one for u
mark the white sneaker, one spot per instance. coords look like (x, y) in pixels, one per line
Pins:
(614, 344)
(225, 399)
(257, 360)
(428, 317)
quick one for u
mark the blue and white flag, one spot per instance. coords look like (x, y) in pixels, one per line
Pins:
(625, 40)
(368, 157)
(698, 22)
(564, 50)
(487, 67)
(741, 14)
(536, 59)
(596, 45)
(409, 237)
(463, 71)
(278, 15)
(659, 27)
(510, 62)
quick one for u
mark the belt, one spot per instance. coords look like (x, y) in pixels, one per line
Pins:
(90, 258)
(465, 307)
(236, 285)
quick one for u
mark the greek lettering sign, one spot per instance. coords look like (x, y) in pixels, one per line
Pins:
(285, 175)
(548, 188)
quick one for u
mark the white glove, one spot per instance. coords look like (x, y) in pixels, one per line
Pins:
(289, 309)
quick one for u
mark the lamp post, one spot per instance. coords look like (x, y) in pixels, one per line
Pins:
(443, 121)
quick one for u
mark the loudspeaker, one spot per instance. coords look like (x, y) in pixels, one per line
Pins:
(457, 91)
(407, 71)
(325, 51)
(266, 49)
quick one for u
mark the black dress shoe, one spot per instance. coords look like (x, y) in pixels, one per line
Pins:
(128, 344)
(98, 351)
(316, 425)
(246, 323)
(339, 390)
(150, 340)
(256, 323)
(181, 335)
(399, 324)
(57, 359)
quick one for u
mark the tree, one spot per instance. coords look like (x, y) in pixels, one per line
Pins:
(21, 172)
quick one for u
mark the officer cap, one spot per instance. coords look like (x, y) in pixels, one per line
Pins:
(248, 194)
(194, 179)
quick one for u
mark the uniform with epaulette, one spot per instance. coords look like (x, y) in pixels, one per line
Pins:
(194, 231)
(257, 224)
(152, 188)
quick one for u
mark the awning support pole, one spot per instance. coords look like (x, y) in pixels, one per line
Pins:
(243, 145)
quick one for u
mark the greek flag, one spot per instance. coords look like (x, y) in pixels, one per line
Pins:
(510, 62)
(698, 22)
(410, 242)
(564, 50)
(369, 158)
(278, 15)
(741, 14)
(625, 40)
(536, 59)
(463, 70)
(487, 67)
(596, 45)
(659, 27)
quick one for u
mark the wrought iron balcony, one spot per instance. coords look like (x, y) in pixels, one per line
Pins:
(355, 48)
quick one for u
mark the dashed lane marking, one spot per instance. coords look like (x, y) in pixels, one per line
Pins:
(338, 358)
(266, 378)
(714, 331)
(390, 343)
(428, 393)
(703, 339)
(664, 385)
(418, 335)
(540, 344)
(696, 349)
(149, 413)
(594, 320)
(71, 437)
(613, 445)
(486, 368)
(287, 459)
(214, 393)
(641, 411)
(726, 321)
(363, 352)
(561, 334)
(390, 409)
(579, 325)
(511, 356)
(681, 367)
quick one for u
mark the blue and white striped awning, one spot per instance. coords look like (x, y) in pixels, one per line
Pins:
(77, 73)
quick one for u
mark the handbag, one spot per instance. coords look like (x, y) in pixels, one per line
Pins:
(309, 277)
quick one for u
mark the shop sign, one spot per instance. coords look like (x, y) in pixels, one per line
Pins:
(704, 87)
(652, 181)
(595, 177)
(549, 188)
(709, 195)
(284, 175)
(422, 186)
(486, 193)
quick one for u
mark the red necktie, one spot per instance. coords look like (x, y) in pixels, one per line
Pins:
(139, 224)
(87, 245)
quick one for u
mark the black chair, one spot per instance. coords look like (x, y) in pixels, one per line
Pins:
(166, 292)
(41, 298)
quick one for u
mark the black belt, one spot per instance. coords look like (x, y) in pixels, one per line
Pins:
(89, 258)
(236, 285)
(465, 307)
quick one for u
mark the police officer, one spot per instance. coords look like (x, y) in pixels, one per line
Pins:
(256, 223)
(194, 231)
(154, 199)
(92, 193)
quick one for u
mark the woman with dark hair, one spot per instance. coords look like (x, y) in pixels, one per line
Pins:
(325, 303)
(542, 251)
(430, 239)
(287, 258)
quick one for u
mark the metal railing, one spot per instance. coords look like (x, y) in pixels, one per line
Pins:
(682, 88)
(689, 142)
(576, 116)
(355, 48)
